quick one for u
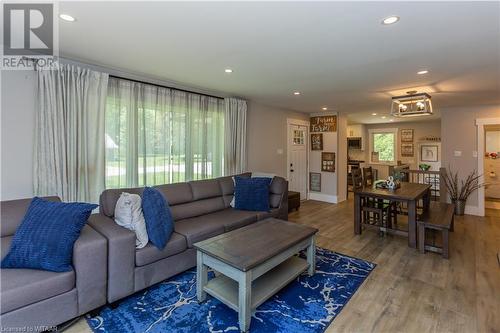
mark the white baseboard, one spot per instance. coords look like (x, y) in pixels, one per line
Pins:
(322, 197)
(472, 210)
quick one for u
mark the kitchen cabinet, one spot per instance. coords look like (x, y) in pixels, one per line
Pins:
(357, 131)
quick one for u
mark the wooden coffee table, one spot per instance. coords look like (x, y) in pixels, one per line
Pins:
(255, 262)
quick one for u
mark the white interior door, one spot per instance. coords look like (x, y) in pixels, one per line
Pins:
(297, 159)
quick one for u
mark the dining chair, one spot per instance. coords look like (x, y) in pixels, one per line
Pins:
(357, 178)
(368, 178)
(374, 212)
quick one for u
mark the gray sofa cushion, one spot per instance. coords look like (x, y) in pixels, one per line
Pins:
(150, 253)
(48, 312)
(197, 208)
(234, 219)
(264, 215)
(21, 287)
(12, 213)
(199, 228)
(108, 199)
(227, 188)
(277, 189)
(5, 242)
(226, 185)
(177, 193)
(205, 189)
(213, 224)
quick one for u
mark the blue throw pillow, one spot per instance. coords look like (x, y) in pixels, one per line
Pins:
(46, 236)
(159, 221)
(251, 193)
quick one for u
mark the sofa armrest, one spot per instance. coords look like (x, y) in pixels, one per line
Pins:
(283, 207)
(279, 188)
(121, 256)
(90, 256)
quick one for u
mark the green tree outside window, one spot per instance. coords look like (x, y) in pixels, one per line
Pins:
(384, 144)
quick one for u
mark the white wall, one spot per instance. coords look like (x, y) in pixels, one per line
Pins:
(266, 130)
(342, 157)
(267, 136)
(18, 125)
(420, 129)
(328, 179)
(459, 134)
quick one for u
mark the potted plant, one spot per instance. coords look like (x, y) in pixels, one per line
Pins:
(460, 190)
(424, 167)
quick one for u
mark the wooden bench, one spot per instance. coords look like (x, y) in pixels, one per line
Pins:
(440, 218)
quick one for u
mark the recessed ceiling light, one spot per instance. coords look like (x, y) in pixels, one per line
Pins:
(425, 71)
(296, 93)
(391, 119)
(383, 117)
(390, 20)
(228, 70)
(324, 108)
(374, 114)
(67, 17)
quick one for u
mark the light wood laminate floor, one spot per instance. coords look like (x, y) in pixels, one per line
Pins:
(408, 291)
(413, 292)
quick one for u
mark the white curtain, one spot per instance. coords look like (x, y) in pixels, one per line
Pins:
(235, 128)
(158, 135)
(69, 133)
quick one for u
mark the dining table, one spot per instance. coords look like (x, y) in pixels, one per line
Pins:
(410, 193)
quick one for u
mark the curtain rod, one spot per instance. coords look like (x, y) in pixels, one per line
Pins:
(162, 86)
(34, 60)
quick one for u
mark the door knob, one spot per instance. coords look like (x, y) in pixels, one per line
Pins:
(291, 170)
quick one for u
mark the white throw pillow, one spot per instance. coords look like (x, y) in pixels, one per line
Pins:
(263, 175)
(232, 200)
(128, 214)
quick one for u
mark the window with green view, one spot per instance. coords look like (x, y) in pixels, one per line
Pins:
(157, 135)
(384, 144)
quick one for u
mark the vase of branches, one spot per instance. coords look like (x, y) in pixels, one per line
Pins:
(460, 189)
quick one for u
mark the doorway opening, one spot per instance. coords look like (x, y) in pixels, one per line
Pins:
(488, 135)
(492, 166)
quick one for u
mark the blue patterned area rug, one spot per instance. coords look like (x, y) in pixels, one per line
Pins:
(307, 304)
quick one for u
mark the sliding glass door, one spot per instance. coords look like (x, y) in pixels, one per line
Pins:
(156, 135)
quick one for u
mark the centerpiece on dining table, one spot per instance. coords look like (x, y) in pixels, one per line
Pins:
(392, 183)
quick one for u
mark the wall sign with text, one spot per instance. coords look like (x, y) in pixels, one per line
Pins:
(317, 141)
(324, 124)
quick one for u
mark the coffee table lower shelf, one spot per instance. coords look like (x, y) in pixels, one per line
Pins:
(225, 289)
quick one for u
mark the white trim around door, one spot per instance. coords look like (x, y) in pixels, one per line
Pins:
(480, 123)
(323, 197)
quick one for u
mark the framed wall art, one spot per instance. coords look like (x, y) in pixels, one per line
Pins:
(317, 141)
(328, 162)
(315, 181)
(429, 153)
(323, 124)
(407, 135)
(407, 149)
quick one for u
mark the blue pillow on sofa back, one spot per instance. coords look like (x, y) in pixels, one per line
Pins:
(45, 237)
(159, 221)
(251, 193)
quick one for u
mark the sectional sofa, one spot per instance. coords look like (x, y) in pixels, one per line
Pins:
(37, 299)
(107, 266)
(201, 209)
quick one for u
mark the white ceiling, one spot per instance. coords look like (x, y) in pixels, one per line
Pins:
(337, 54)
